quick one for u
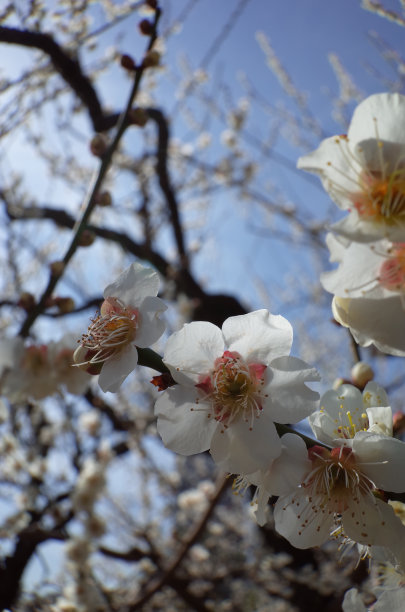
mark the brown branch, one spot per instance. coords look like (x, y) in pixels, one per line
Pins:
(165, 183)
(68, 68)
(214, 308)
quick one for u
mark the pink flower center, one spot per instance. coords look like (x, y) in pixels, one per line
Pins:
(392, 271)
(109, 332)
(381, 199)
(234, 389)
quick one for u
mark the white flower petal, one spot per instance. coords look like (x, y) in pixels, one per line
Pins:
(240, 451)
(134, 285)
(372, 522)
(115, 370)
(290, 400)
(151, 326)
(382, 459)
(378, 322)
(258, 336)
(298, 523)
(192, 351)
(183, 426)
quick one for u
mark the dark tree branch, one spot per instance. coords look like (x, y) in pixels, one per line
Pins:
(68, 68)
(214, 308)
(165, 183)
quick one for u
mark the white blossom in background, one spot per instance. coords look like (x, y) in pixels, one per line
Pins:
(378, 322)
(232, 386)
(129, 318)
(364, 171)
(345, 411)
(341, 490)
(36, 371)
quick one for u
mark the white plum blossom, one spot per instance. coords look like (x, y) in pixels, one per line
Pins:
(129, 318)
(35, 371)
(346, 411)
(364, 171)
(232, 386)
(379, 322)
(342, 490)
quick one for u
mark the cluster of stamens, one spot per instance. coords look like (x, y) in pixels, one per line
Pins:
(377, 195)
(347, 424)
(109, 332)
(234, 389)
(334, 485)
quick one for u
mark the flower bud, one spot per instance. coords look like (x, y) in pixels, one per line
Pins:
(145, 27)
(87, 238)
(57, 268)
(64, 304)
(104, 198)
(151, 59)
(152, 4)
(138, 116)
(98, 145)
(127, 62)
(26, 301)
(361, 374)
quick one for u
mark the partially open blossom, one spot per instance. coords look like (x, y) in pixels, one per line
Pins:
(380, 322)
(232, 385)
(345, 411)
(342, 489)
(129, 317)
(364, 171)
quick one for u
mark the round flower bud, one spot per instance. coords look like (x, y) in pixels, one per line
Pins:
(87, 238)
(64, 304)
(151, 59)
(361, 374)
(138, 116)
(127, 62)
(57, 268)
(98, 145)
(104, 199)
(26, 301)
(145, 27)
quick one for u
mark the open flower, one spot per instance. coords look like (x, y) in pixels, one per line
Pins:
(346, 411)
(232, 385)
(379, 322)
(129, 317)
(364, 171)
(342, 489)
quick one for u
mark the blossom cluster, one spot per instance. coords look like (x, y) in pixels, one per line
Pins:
(364, 173)
(236, 391)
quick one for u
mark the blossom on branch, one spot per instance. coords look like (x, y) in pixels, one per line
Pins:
(343, 489)
(232, 386)
(129, 318)
(346, 411)
(364, 171)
